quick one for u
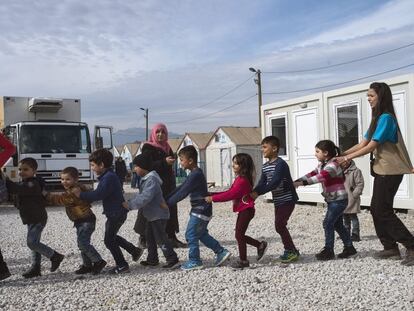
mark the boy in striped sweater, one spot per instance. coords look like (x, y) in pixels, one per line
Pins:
(277, 179)
(331, 175)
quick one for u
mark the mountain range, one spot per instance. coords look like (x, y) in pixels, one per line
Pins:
(130, 135)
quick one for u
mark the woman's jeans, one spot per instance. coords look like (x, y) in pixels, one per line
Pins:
(334, 222)
(388, 226)
(197, 231)
(89, 254)
(34, 232)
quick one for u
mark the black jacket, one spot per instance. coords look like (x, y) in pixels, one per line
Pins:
(29, 199)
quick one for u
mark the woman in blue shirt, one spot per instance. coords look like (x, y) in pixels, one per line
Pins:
(384, 130)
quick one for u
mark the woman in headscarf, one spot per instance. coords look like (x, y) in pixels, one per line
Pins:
(163, 160)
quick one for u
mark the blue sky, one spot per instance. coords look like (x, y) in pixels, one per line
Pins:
(175, 56)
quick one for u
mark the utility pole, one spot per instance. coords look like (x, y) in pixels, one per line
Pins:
(258, 81)
(146, 122)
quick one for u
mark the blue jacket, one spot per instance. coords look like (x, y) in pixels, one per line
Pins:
(149, 198)
(109, 190)
(195, 185)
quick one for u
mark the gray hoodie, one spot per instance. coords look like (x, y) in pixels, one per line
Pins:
(149, 198)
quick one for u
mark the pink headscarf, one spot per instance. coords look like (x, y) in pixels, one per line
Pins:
(165, 146)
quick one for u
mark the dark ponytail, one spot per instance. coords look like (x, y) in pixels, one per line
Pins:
(329, 147)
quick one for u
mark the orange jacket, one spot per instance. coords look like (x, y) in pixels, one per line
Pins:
(76, 209)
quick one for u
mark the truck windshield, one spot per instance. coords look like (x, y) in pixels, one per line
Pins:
(54, 139)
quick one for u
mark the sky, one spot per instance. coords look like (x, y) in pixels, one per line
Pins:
(188, 61)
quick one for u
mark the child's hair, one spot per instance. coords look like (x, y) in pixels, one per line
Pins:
(102, 156)
(71, 171)
(246, 164)
(271, 140)
(189, 152)
(32, 163)
(328, 146)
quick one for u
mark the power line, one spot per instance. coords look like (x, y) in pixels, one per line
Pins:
(340, 64)
(215, 112)
(214, 100)
(336, 84)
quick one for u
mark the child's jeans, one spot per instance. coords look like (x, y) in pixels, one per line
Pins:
(351, 221)
(156, 235)
(114, 242)
(334, 222)
(34, 232)
(89, 254)
(197, 231)
(243, 220)
(282, 214)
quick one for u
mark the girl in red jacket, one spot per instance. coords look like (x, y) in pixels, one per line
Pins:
(243, 168)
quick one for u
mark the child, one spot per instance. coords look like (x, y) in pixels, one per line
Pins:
(354, 185)
(330, 174)
(31, 204)
(243, 168)
(150, 199)
(276, 178)
(195, 185)
(84, 220)
(8, 149)
(109, 190)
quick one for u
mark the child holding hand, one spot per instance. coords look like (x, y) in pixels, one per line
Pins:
(243, 168)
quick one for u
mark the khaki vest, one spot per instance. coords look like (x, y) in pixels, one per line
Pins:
(392, 159)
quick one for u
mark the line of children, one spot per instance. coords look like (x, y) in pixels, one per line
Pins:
(150, 200)
(275, 177)
(331, 175)
(83, 218)
(243, 168)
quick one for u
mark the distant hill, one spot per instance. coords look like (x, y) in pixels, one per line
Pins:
(130, 135)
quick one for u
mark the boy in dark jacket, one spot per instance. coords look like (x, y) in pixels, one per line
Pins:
(83, 218)
(109, 190)
(31, 204)
(151, 201)
(201, 212)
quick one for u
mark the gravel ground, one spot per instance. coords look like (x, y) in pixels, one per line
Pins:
(360, 283)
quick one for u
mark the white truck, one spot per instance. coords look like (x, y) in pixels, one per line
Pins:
(50, 130)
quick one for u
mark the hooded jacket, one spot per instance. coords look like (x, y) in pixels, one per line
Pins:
(150, 198)
(354, 185)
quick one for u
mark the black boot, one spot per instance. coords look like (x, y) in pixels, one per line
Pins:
(347, 252)
(32, 272)
(56, 259)
(325, 254)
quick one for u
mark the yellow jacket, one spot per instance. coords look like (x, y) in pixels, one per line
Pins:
(76, 209)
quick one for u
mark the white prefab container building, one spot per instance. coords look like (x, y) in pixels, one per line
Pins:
(343, 116)
(199, 141)
(224, 144)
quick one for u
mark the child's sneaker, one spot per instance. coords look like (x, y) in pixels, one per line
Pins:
(172, 265)
(240, 264)
(325, 254)
(289, 256)
(147, 263)
(347, 252)
(222, 257)
(355, 237)
(119, 270)
(190, 265)
(83, 270)
(56, 259)
(98, 266)
(261, 250)
(32, 272)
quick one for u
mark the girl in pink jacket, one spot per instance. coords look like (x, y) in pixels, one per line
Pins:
(243, 168)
